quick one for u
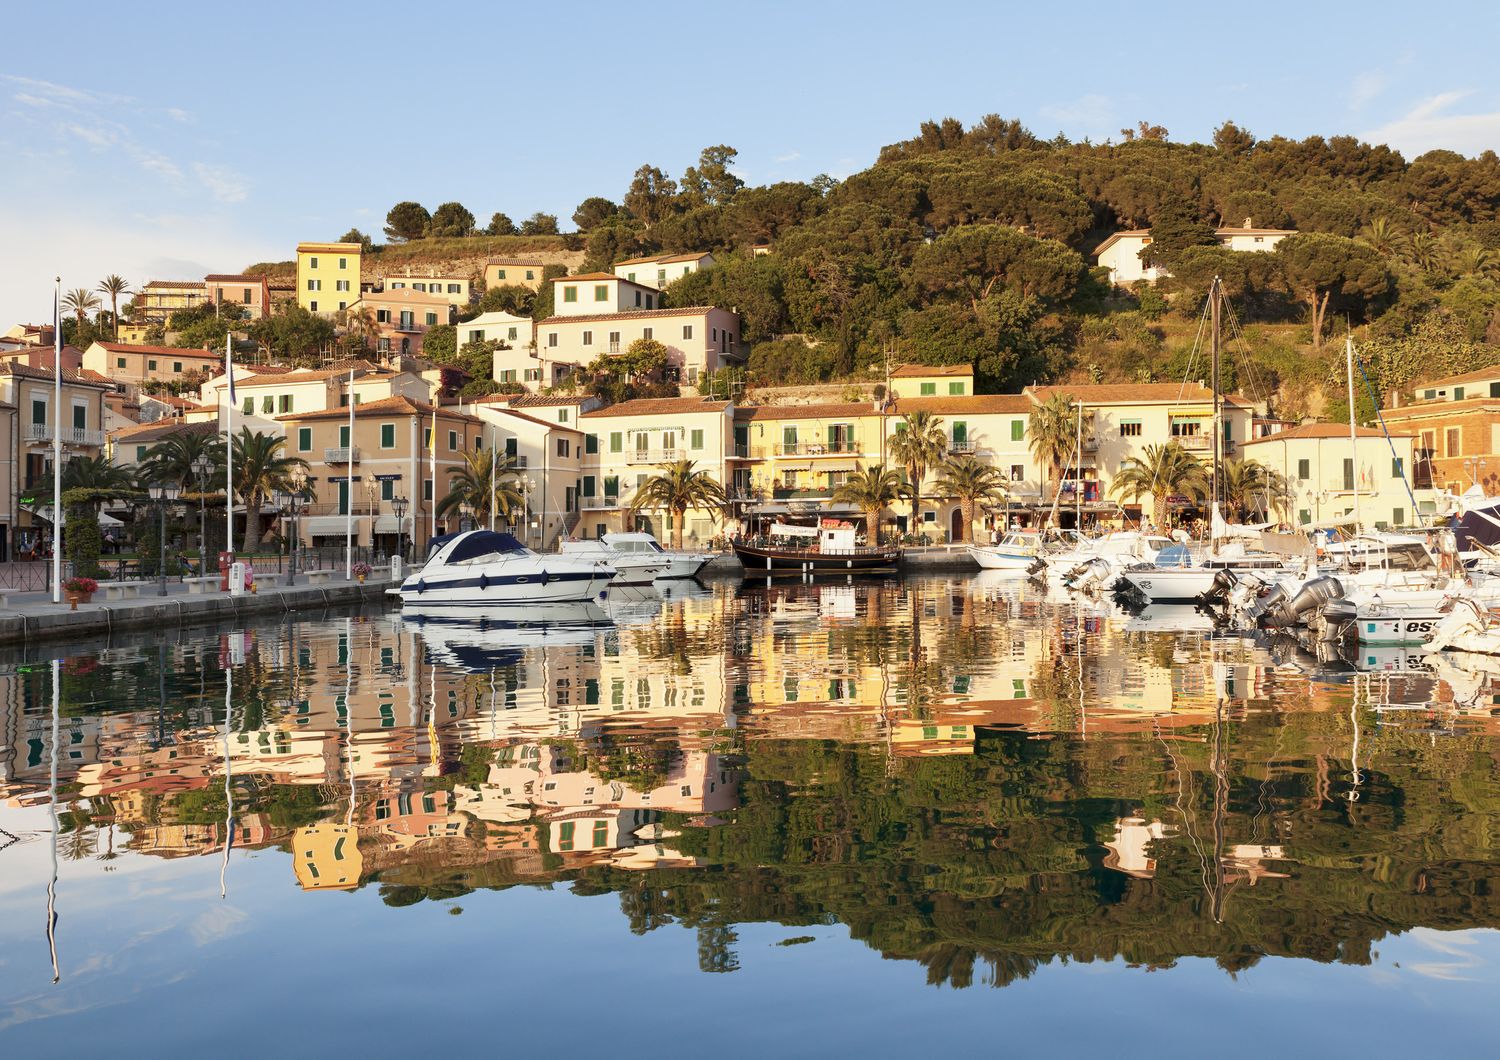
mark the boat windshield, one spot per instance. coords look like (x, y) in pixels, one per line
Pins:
(480, 544)
(1174, 556)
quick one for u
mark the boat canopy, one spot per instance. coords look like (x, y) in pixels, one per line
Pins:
(475, 543)
(1174, 556)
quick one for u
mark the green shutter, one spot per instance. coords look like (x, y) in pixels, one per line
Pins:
(304, 439)
(616, 442)
(697, 439)
(1018, 430)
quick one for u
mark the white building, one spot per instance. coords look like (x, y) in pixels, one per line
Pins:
(600, 292)
(698, 339)
(1121, 252)
(658, 270)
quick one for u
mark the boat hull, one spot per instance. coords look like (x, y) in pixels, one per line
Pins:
(773, 561)
(1184, 585)
(996, 558)
(501, 589)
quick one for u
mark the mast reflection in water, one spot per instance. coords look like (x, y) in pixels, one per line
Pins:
(979, 781)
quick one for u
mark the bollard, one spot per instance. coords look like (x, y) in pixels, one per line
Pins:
(395, 568)
(236, 579)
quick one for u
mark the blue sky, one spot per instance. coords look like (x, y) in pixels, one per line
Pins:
(166, 147)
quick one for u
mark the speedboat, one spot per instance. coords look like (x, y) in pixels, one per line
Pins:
(1173, 577)
(481, 567)
(680, 564)
(632, 568)
(1016, 552)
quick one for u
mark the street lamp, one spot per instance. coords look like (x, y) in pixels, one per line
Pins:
(292, 499)
(163, 493)
(203, 466)
(398, 507)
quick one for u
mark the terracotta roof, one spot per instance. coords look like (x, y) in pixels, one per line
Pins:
(516, 261)
(540, 423)
(637, 314)
(808, 412)
(1440, 409)
(1136, 394)
(267, 369)
(163, 351)
(332, 248)
(175, 283)
(658, 407)
(238, 277)
(94, 377)
(955, 404)
(311, 375)
(1145, 233)
(907, 371)
(525, 401)
(158, 429)
(597, 276)
(398, 406)
(173, 400)
(1322, 430)
(1479, 375)
(663, 259)
(404, 294)
(69, 375)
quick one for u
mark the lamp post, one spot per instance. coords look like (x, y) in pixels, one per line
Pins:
(163, 493)
(398, 507)
(203, 466)
(293, 499)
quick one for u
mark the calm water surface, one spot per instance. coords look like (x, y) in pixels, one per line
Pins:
(887, 819)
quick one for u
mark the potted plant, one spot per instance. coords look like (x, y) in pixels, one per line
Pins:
(80, 591)
(361, 571)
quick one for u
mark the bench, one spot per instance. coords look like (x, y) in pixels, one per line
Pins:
(209, 584)
(121, 590)
(321, 577)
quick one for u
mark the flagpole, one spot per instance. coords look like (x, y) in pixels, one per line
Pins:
(432, 470)
(349, 488)
(57, 468)
(229, 453)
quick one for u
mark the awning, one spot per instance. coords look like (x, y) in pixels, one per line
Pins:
(1190, 411)
(386, 524)
(838, 465)
(328, 525)
(44, 513)
(794, 465)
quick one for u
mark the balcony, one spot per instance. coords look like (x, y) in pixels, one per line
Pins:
(348, 454)
(595, 501)
(845, 445)
(42, 432)
(654, 456)
(408, 326)
(517, 461)
(613, 347)
(967, 445)
(1195, 443)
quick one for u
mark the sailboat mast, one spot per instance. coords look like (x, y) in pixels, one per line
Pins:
(1353, 430)
(1215, 296)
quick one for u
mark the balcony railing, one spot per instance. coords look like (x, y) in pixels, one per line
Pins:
(1195, 443)
(348, 454)
(356, 508)
(967, 445)
(845, 445)
(42, 432)
(408, 325)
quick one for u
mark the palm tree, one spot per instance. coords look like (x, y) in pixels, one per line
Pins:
(363, 326)
(1249, 485)
(972, 483)
(1478, 261)
(920, 443)
(79, 302)
(1052, 430)
(680, 486)
(114, 286)
(1425, 252)
(470, 485)
(97, 472)
(172, 458)
(871, 490)
(1381, 237)
(260, 469)
(1163, 471)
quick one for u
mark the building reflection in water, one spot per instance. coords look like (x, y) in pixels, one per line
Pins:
(977, 750)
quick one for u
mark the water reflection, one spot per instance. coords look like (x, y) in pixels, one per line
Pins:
(966, 774)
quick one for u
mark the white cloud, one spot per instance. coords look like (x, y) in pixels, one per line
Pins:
(1430, 125)
(92, 137)
(1091, 110)
(790, 156)
(222, 182)
(1365, 87)
(178, 114)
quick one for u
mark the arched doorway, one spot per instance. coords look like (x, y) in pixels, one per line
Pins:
(956, 523)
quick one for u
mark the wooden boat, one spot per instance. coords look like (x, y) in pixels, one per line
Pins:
(806, 550)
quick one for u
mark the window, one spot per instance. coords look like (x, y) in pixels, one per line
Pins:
(612, 486)
(284, 404)
(1451, 444)
(140, 453)
(340, 285)
(1304, 470)
(427, 490)
(312, 307)
(647, 333)
(151, 366)
(616, 442)
(1398, 516)
(80, 417)
(638, 299)
(648, 301)
(511, 334)
(499, 274)
(1495, 390)
(431, 319)
(304, 439)
(588, 485)
(614, 342)
(454, 288)
(1130, 428)
(565, 835)
(452, 439)
(1398, 469)
(476, 335)
(387, 436)
(267, 405)
(1018, 430)
(119, 362)
(588, 338)
(562, 415)
(570, 294)
(1017, 472)
(601, 292)
(687, 331)
(312, 263)
(343, 263)
(1348, 473)
(246, 299)
(590, 443)
(956, 388)
(314, 285)
(1458, 393)
(552, 340)
(530, 274)
(562, 447)
(929, 389)
(697, 439)
(176, 366)
(1304, 516)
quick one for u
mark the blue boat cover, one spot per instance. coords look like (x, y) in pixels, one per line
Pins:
(475, 543)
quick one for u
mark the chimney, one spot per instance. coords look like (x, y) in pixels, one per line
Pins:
(1248, 224)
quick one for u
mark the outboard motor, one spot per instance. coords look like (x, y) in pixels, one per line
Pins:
(1259, 609)
(1305, 602)
(1089, 576)
(1223, 583)
(1337, 615)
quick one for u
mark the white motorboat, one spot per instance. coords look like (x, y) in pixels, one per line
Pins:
(632, 568)
(680, 563)
(1174, 577)
(483, 567)
(1016, 552)
(1468, 627)
(478, 640)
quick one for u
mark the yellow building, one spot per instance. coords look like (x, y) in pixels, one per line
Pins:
(327, 276)
(805, 452)
(932, 380)
(1326, 475)
(513, 272)
(326, 856)
(455, 288)
(159, 299)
